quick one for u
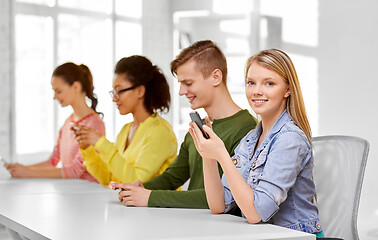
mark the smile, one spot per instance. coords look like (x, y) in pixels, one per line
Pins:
(259, 101)
(191, 99)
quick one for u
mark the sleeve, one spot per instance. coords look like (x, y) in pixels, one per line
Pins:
(175, 175)
(96, 123)
(96, 167)
(55, 156)
(240, 156)
(283, 164)
(157, 147)
(77, 169)
(163, 187)
(178, 199)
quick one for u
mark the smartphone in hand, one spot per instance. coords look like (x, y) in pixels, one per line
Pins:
(74, 126)
(197, 119)
(3, 160)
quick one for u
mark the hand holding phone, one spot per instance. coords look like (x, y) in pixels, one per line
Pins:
(197, 119)
(3, 160)
(74, 126)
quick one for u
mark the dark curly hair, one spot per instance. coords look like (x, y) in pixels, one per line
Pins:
(140, 71)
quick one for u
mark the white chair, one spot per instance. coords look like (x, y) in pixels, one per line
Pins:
(339, 166)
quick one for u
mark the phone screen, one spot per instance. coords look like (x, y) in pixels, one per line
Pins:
(197, 119)
(3, 160)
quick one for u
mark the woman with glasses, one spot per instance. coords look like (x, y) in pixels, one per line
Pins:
(145, 147)
(72, 85)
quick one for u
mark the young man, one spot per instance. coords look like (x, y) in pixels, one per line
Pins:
(201, 70)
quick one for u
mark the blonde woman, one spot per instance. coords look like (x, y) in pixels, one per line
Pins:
(270, 176)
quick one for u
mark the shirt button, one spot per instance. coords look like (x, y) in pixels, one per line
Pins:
(235, 161)
(317, 226)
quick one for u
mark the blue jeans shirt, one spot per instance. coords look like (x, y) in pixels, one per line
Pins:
(280, 175)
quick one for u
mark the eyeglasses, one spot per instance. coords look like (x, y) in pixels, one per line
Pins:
(115, 94)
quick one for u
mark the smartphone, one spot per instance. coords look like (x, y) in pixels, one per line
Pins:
(74, 126)
(197, 119)
(3, 160)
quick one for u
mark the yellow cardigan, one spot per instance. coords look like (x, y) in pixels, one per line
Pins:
(152, 149)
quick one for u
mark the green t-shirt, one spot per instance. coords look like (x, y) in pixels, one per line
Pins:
(188, 164)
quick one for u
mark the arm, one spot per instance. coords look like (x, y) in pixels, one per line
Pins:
(21, 171)
(163, 193)
(240, 190)
(213, 185)
(157, 148)
(41, 164)
(96, 167)
(175, 175)
(214, 148)
(134, 194)
(44, 169)
(287, 157)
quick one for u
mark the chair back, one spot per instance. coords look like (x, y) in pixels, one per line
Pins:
(339, 166)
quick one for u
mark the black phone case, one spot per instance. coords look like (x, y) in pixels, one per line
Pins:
(197, 119)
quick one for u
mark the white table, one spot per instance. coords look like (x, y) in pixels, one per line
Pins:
(77, 209)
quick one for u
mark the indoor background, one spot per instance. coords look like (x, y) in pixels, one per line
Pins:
(333, 44)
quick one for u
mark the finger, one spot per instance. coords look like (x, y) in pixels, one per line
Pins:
(129, 202)
(122, 194)
(192, 131)
(138, 183)
(194, 136)
(209, 131)
(197, 131)
(116, 186)
(83, 127)
(120, 198)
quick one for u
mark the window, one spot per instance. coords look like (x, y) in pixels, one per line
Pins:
(48, 33)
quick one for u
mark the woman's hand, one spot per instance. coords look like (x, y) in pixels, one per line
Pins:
(212, 148)
(86, 136)
(18, 170)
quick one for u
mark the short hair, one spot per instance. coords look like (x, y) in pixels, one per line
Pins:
(207, 56)
(139, 70)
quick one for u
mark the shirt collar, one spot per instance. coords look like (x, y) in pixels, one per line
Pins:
(280, 122)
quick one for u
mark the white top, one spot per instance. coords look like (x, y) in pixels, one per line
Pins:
(78, 209)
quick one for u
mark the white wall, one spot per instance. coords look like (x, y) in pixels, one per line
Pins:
(348, 83)
(157, 35)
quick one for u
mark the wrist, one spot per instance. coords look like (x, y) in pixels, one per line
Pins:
(223, 157)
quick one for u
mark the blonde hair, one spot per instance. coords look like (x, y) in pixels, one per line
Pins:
(279, 62)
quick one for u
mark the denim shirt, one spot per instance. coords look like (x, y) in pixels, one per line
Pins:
(280, 175)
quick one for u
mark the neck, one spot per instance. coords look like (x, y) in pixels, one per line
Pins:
(222, 105)
(267, 122)
(140, 115)
(81, 109)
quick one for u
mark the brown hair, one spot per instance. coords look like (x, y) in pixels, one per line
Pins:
(279, 62)
(140, 71)
(207, 56)
(71, 73)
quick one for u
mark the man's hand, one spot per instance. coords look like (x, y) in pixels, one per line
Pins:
(135, 196)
